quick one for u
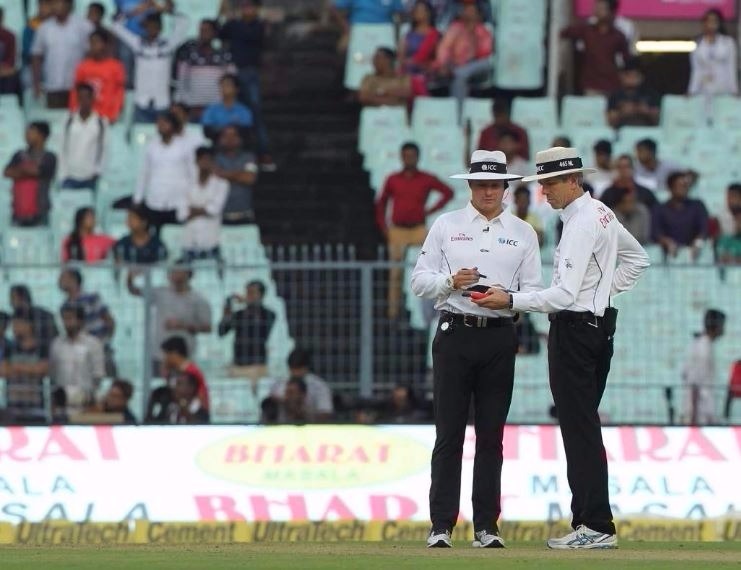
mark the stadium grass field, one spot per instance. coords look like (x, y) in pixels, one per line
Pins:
(376, 555)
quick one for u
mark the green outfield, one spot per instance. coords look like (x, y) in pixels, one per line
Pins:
(648, 555)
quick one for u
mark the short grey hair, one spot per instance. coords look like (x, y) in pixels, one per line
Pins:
(577, 176)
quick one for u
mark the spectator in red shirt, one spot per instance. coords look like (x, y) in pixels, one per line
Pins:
(175, 363)
(105, 73)
(489, 139)
(408, 191)
(83, 244)
(603, 42)
(8, 73)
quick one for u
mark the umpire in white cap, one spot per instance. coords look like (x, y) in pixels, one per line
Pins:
(596, 259)
(473, 352)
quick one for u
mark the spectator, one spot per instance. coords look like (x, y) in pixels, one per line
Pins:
(176, 363)
(418, 46)
(292, 408)
(140, 246)
(522, 211)
(202, 209)
(728, 246)
(228, 111)
(650, 171)
(187, 407)
(385, 86)
(26, 365)
(602, 179)
(84, 143)
(626, 26)
(59, 45)
(44, 326)
(402, 408)
(180, 312)
(561, 140)
(603, 43)
(251, 326)
(465, 51)
(244, 38)
(625, 180)
(200, 65)
(633, 104)
(727, 218)
(166, 173)
(408, 191)
(44, 11)
(681, 221)
(116, 401)
(192, 137)
(633, 214)
(9, 77)
(350, 12)
(32, 171)
(238, 167)
(104, 74)
(98, 319)
(698, 373)
(133, 14)
(318, 394)
(83, 244)
(153, 56)
(76, 361)
(713, 64)
(510, 146)
(489, 139)
(6, 345)
(95, 15)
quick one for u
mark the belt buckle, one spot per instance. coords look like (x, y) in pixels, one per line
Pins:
(466, 322)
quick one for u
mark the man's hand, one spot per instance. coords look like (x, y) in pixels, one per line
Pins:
(495, 300)
(466, 278)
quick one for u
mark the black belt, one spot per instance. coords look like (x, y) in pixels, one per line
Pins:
(476, 321)
(574, 316)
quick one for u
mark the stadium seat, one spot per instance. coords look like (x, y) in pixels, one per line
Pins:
(478, 112)
(242, 245)
(443, 152)
(28, 246)
(681, 112)
(519, 60)
(583, 112)
(433, 114)
(726, 112)
(584, 140)
(509, 13)
(535, 113)
(375, 119)
(385, 145)
(364, 40)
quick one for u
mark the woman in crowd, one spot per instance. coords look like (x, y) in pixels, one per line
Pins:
(417, 47)
(713, 63)
(83, 244)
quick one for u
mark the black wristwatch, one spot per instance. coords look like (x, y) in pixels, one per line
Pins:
(511, 301)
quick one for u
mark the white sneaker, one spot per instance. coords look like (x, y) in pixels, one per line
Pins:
(485, 539)
(439, 539)
(583, 538)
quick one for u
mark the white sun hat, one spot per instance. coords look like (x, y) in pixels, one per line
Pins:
(557, 161)
(487, 165)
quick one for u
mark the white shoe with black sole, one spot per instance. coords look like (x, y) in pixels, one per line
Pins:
(486, 539)
(439, 539)
(584, 538)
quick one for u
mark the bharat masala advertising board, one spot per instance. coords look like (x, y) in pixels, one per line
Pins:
(292, 473)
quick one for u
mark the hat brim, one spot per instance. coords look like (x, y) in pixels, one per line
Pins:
(485, 176)
(537, 177)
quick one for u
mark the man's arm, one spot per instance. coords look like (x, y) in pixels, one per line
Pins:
(119, 29)
(109, 321)
(179, 30)
(382, 206)
(143, 179)
(446, 195)
(227, 320)
(428, 279)
(37, 57)
(202, 322)
(531, 273)
(632, 262)
(246, 175)
(97, 361)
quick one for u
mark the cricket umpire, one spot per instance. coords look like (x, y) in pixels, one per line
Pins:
(481, 245)
(596, 259)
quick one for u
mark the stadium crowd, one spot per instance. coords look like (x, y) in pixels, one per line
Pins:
(211, 143)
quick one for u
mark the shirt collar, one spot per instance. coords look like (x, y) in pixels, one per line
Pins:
(570, 210)
(472, 213)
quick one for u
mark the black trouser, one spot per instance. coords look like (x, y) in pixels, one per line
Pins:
(579, 354)
(158, 218)
(478, 362)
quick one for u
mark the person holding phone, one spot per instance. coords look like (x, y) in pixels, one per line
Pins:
(474, 349)
(596, 259)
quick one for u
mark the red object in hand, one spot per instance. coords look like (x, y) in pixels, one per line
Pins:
(475, 295)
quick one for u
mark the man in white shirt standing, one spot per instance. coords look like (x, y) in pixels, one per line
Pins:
(698, 373)
(167, 173)
(59, 45)
(201, 210)
(154, 56)
(474, 349)
(596, 259)
(83, 143)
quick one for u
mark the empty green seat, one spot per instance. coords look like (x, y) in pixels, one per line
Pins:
(682, 112)
(583, 112)
(519, 60)
(28, 246)
(375, 119)
(365, 39)
(433, 114)
(727, 112)
(535, 113)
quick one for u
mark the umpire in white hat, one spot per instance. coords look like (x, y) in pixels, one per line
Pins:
(473, 352)
(596, 259)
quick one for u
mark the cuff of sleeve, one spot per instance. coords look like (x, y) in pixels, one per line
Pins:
(518, 302)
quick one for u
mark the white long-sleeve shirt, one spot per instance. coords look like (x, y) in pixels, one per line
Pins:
(83, 146)
(595, 259)
(505, 249)
(698, 374)
(713, 67)
(166, 175)
(153, 62)
(203, 232)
